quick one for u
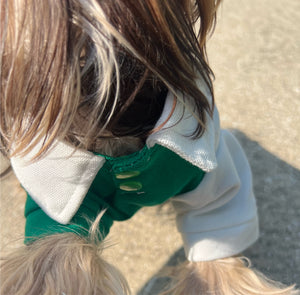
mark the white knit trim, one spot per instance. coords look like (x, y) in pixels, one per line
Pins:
(176, 135)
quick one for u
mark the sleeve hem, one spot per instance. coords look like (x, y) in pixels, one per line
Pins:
(207, 246)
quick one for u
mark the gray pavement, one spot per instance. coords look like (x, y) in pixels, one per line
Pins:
(255, 55)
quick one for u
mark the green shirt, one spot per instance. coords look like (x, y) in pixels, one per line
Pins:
(122, 186)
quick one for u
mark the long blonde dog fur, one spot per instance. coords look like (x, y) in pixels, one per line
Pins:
(69, 264)
(63, 263)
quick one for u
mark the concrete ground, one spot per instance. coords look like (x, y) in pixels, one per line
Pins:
(255, 54)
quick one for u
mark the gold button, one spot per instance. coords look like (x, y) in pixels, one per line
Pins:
(127, 174)
(131, 186)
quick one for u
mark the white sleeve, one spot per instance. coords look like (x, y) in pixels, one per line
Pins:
(219, 218)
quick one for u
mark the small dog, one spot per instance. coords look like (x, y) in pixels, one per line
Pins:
(107, 106)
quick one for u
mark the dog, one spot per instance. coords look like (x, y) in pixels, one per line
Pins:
(108, 106)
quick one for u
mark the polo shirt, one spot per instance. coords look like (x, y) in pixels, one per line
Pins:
(122, 186)
(208, 180)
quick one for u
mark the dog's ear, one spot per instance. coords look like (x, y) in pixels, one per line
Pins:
(228, 276)
(60, 264)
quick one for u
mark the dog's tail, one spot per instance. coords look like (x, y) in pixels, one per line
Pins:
(63, 263)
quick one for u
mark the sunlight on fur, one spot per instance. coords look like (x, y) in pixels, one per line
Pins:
(229, 276)
(61, 264)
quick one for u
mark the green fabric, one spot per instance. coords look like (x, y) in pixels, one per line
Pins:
(123, 186)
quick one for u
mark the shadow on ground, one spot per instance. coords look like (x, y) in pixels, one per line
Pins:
(277, 190)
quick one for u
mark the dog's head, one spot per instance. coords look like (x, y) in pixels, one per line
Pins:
(83, 70)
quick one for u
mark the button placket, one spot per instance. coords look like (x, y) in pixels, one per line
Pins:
(129, 185)
(126, 170)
